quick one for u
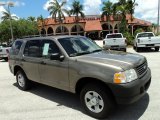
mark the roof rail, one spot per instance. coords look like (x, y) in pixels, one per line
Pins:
(31, 36)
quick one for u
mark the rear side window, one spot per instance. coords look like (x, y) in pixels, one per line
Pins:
(114, 36)
(16, 47)
(32, 48)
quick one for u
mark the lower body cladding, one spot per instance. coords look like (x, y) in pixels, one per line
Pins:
(131, 92)
(115, 47)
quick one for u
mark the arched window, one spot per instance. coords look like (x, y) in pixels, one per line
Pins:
(50, 30)
(107, 29)
(62, 30)
(77, 30)
(43, 31)
(116, 28)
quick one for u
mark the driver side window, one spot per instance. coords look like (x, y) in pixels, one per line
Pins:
(49, 47)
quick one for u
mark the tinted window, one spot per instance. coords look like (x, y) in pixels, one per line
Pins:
(114, 36)
(16, 47)
(75, 46)
(145, 35)
(32, 48)
(49, 47)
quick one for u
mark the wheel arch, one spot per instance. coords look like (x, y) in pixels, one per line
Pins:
(16, 68)
(87, 80)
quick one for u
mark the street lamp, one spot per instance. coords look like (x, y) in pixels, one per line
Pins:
(158, 16)
(9, 4)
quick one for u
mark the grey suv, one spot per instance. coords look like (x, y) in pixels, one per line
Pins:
(78, 65)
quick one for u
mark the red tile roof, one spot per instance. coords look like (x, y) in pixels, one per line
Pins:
(94, 25)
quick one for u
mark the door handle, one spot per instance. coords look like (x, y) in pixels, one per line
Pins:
(43, 63)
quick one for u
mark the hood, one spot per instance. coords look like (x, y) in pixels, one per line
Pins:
(114, 58)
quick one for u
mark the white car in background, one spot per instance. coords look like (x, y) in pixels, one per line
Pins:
(4, 51)
(115, 41)
(146, 40)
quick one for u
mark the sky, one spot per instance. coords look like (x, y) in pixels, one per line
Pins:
(146, 9)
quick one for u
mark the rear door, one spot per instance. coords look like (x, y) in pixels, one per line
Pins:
(31, 59)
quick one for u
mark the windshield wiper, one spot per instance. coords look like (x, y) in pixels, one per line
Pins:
(80, 53)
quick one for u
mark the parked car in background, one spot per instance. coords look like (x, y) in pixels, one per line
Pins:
(4, 51)
(76, 64)
(115, 41)
(146, 40)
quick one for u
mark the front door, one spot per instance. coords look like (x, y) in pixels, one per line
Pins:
(53, 72)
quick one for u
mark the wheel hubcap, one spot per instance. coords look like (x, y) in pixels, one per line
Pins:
(21, 81)
(94, 101)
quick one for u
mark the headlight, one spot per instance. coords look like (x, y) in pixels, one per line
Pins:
(125, 77)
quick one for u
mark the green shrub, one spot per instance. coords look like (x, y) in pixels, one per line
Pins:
(138, 31)
(129, 38)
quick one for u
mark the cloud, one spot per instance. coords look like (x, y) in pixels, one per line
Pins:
(1, 9)
(19, 3)
(92, 7)
(147, 10)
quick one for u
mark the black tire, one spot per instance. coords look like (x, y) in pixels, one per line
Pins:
(134, 47)
(156, 49)
(125, 49)
(137, 49)
(6, 59)
(108, 101)
(23, 84)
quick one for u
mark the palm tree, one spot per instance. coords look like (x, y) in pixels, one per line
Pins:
(6, 16)
(31, 18)
(124, 7)
(77, 9)
(107, 11)
(57, 10)
(41, 20)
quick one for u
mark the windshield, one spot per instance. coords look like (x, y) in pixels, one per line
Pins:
(145, 35)
(76, 46)
(114, 36)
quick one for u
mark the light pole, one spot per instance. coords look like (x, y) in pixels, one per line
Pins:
(9, 4)
(158, 16)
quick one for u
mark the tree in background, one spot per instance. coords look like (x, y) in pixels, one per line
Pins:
(77, 10)
(41, 21)
(124, 7)
(31, 18)
(6, 16)
(107, 10)
(21, 28)
(57, 11)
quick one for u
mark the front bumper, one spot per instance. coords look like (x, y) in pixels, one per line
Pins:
(3, 56)
(131, 92)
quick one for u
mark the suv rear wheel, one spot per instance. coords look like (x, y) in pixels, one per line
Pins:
(22, 81)
(96, 101)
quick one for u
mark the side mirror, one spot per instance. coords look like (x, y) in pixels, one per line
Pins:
(56, 56)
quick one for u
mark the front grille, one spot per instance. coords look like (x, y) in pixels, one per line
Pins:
(141, 69)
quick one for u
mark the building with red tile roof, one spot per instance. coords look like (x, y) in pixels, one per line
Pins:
(93, 26)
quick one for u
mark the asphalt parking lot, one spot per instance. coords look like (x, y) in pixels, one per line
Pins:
(46, 103)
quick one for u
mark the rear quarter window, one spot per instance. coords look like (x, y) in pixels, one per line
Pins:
(16, 47)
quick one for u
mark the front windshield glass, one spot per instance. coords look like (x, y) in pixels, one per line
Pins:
(145, 35)
(76, 46)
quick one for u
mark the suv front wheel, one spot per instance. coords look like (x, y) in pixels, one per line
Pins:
(22, 81)
(96, 101)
